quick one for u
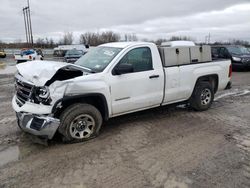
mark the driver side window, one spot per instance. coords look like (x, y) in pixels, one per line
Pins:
(139, 58)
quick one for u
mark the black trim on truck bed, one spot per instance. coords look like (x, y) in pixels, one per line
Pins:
(193, 63)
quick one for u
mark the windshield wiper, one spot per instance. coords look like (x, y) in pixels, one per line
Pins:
(89, 70)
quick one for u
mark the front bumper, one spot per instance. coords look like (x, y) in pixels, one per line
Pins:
(42, 126)
(237, 65)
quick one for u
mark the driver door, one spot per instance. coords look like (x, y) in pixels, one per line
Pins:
(142, 88)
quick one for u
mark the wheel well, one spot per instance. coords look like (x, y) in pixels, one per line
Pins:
(212, 79)
(97, 100)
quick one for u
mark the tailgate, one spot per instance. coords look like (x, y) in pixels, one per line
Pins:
(23, 57)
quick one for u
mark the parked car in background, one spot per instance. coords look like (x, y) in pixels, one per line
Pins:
(59, 53)
(72, 56)
(2, 53)
(29, 55)
(61, 50)
(239, 55)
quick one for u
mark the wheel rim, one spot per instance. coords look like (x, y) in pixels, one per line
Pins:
(82, 126)
(206, 97)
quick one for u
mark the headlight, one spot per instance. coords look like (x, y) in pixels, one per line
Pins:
(43, 94)
(236, 59)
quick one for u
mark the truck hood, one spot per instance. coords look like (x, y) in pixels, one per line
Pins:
(241, 55)
(40, 72)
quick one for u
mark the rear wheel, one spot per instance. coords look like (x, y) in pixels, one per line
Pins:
(80, 122)
(202, 97)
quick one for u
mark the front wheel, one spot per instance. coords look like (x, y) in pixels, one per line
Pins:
(202, 97)
(80, 122)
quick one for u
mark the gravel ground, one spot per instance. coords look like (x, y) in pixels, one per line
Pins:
(162, 147)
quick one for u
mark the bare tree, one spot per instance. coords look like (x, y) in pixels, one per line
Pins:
(88, 38)
(130, 37)
(239, 42)
(1, 44)
(94, 39)
(67, 38)
(109, 36)
(51, 43)
(40, 43)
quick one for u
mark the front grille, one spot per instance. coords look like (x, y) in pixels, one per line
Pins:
(246, 60)
(23, 91)
(36, 124)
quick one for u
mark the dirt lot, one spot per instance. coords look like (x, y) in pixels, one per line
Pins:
(163, 147)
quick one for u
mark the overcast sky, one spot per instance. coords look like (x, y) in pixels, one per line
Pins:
(152, 19)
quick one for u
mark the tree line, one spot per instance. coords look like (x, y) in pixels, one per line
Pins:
(97, 38)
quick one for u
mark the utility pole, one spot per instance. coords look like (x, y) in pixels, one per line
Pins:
(27, 23)
(209, 38)
(31, 34)
(205, 39)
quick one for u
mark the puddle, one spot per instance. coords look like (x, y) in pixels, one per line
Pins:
(8, 70)
(8, 154)
(245, 92)
(235, 93)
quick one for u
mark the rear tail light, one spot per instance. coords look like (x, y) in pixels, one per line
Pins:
(30, 57)
(230, 71)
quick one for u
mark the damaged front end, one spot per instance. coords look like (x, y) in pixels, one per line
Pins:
(35, 95)
(31, 103)
(42, 126)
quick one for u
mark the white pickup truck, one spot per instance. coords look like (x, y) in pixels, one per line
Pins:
(111, 80)
(28, 55)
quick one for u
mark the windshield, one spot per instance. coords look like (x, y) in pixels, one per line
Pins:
(27, 52)
(74, 52)
(237, 50)
(98, 58)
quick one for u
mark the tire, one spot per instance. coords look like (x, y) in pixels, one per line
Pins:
(80, 122)
(202, 97)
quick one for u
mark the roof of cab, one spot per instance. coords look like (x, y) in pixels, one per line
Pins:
(124, 44)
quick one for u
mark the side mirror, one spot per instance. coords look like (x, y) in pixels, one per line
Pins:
(123, 69)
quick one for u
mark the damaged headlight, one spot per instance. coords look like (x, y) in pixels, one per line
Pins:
(43, 94)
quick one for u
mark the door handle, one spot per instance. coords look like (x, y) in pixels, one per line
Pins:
(154, 76)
